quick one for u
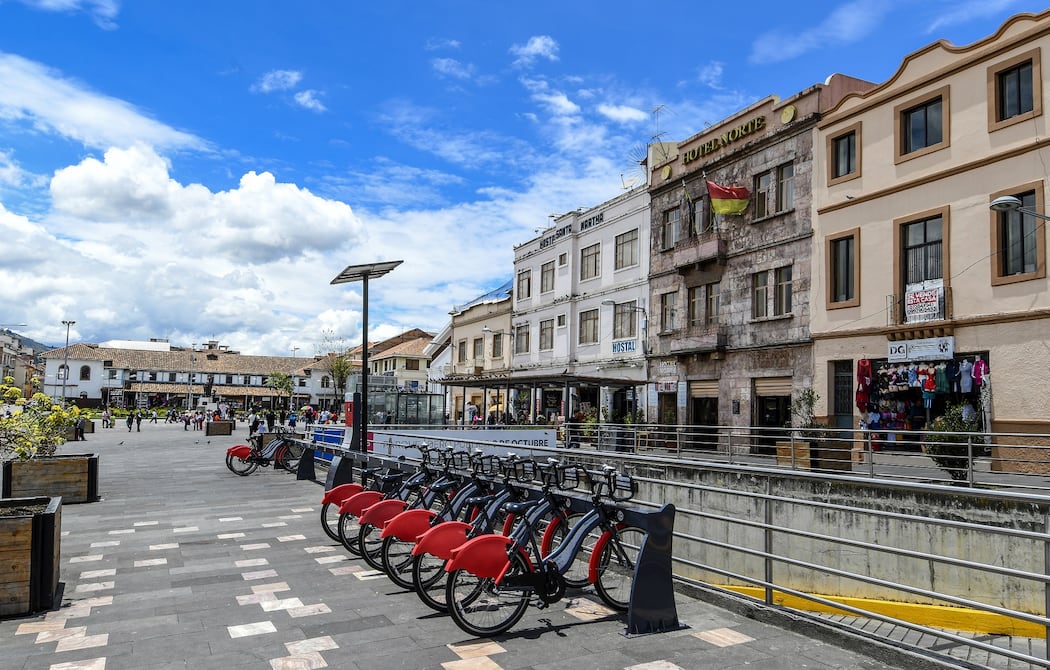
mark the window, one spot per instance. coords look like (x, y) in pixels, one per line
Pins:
(521, 339)
(667, 311)
(326, 382)
(479, 348)
(844, 155)
(843, 271)
(696, 306)
(703, 217)
(922, 251)
(1019, 239)
(547, 277)
(922, 125)
(785, 187)
(171, 376)
(763, 195)
(561, 320)
(760, 295)
(462, 354)
(546, 335)
(626, 249)
(671, 228)
(589, 327)
(302, 382)
(85, 373)
(624, 320)
(590, 262)
(563, 259)
(497, 345)
(524, 284)
(229, 379)
(711, 312)
(152, 376)
(112, 374)
(1015, 90)
(782, 291)
(412, 364)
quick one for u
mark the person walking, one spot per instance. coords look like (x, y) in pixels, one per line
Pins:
(130, 420)
(105, 419)
(153, 416)
(78, 428)
(138, 421)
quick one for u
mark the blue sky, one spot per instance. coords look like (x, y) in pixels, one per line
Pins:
(201, 170)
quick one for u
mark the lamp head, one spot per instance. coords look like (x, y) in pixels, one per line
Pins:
(608, 301)
(1005, 203)
(486, 329)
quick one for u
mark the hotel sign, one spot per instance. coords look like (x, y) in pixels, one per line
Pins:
(725, 139)
(625, 346)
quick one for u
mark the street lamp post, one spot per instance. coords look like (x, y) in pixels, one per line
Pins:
(65, 364)
(362, 273)
(189, 376)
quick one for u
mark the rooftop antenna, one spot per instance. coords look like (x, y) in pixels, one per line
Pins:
(657, 138)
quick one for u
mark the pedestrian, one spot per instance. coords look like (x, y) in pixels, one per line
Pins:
(291, 420)
(78, 428)
(153, 416)
(130, 420)
(186, 421)
(105, 418)
(138, 421)
(271, 417)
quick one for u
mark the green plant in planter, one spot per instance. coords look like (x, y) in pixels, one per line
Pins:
(35, 427)
(803, 417)
(948, 447)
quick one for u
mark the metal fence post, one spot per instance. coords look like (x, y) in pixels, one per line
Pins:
(969, 460)
(768, 537)
(869, 453)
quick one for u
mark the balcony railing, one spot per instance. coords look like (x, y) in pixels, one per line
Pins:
(919, 307)
(690, 339)
(700, 249)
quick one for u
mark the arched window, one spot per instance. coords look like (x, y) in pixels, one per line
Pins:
(63, 372)
(326, 382)
(85, 373)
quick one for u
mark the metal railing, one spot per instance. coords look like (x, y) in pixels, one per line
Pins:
(952, 572)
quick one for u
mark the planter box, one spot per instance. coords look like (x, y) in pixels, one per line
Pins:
(808, 456)
(74, 477)
(29, 555)
(219, 428)
(89, 427)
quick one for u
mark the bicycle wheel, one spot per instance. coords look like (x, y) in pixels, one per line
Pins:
(239, 466)
(397, 561)
(370, 545)
(348, 528)
(616, 566)
(481, 607)
(429, 579)
(288, 457)
(330, 520)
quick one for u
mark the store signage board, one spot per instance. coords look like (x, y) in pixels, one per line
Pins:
(926, 349)
(924, 305)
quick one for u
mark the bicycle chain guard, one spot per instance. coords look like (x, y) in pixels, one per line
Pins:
(553, 585)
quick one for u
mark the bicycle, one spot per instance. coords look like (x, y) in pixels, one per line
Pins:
(244, 459)
(492, 579)
(545, 515)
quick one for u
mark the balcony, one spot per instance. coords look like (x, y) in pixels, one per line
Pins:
(690, 340)
(693, 252)
(918, 309)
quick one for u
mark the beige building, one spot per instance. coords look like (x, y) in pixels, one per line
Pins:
(913, 274)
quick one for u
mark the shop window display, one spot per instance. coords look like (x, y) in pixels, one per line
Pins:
(896, 397)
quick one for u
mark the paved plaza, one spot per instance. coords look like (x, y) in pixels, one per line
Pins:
(186, 565)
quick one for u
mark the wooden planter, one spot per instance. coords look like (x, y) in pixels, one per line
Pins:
(74, 477)
(29, 555)
(827, 456)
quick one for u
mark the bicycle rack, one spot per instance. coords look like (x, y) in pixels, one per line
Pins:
(652, 608)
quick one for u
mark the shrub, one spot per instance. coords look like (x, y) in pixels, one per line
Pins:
(35, 427)
(948, 447)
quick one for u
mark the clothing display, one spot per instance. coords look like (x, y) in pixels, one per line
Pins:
(966, 376)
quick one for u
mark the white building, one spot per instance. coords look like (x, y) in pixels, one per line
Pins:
(580, 312)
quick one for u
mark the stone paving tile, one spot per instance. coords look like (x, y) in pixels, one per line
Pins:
(178, 613)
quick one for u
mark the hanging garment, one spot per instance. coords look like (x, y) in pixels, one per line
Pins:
(980, 371)
(940, 375)
(864, 373)
(966, 376)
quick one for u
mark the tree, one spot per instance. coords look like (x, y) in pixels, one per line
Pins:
(31, 427)
(337, 363)
(282, 385)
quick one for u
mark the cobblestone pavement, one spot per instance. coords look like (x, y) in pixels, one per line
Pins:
(186, 565)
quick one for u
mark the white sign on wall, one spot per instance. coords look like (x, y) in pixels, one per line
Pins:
(925, 349)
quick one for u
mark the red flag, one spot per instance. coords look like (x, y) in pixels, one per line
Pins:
(727, 199)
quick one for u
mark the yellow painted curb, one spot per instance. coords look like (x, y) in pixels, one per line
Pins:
(935, 616)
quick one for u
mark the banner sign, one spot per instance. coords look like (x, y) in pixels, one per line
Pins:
(925, 349)
(924, 305)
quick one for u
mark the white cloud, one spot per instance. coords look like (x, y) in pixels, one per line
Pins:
(41, 99)
(102, 11)
(450, 67)
(622, 113)
(308, 100)
(710, 75)
(557, 103)
(278, 80)
(438, 43)
(963, 12)
(541, 46)
(846, 24)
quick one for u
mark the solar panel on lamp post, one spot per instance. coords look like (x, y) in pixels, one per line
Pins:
(363, 273)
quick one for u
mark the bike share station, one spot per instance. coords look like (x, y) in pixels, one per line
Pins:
(651, 607)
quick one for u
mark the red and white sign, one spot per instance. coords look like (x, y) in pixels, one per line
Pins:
(924, 305)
